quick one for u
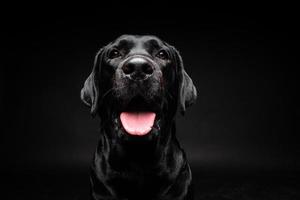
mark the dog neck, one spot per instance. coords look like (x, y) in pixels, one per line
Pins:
(139, 152)
(158, 163)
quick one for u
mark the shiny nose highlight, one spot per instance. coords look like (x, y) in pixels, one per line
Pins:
(137, 68)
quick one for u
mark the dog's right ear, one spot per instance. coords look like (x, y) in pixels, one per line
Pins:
(187, 93)
(90, 91)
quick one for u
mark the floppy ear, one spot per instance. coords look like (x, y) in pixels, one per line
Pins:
(90, 91)
(187, 92)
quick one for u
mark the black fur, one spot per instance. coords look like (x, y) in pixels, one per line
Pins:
(147, 167)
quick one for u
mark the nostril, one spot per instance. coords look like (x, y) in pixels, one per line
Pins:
(147, 69)
(137, 68)
(128, 68)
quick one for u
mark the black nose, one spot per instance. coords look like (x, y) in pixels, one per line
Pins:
(137, 68)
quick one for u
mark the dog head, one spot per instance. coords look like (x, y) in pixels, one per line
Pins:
(136, 81)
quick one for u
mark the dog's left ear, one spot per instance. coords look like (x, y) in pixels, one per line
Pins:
(187, 92)
(90, 91)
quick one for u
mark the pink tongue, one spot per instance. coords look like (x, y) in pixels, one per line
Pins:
(137, 123)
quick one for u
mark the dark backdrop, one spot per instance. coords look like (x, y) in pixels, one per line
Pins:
(244, 66)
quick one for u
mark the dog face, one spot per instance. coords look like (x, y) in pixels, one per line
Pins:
(136, 81)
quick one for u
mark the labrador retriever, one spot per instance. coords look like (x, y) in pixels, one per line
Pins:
(136, 87)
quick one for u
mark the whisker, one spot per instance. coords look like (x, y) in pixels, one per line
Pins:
(170, 95)
(107, 92)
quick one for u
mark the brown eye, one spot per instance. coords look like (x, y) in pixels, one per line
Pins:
(114, 54)
(162, 54)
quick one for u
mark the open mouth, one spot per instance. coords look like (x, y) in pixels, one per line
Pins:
(137, 123)
(138, 118)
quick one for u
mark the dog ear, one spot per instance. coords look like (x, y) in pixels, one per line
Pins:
(90, 91)
(187, 92)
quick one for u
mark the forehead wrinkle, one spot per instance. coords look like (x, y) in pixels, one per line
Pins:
(125, 44)
(153, 44)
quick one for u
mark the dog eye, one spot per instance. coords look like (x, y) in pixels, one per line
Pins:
(162, 55)
(114, 54)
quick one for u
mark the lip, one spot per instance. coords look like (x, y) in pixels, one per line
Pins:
(140, 104)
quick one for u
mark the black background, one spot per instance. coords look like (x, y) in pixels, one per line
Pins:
(241, 137)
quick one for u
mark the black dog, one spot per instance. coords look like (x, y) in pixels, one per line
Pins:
(136, 87)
